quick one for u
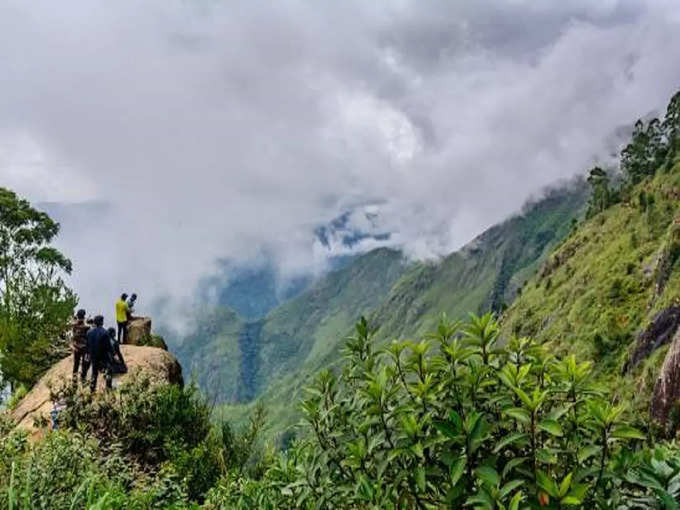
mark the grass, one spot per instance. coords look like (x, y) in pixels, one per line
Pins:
(598, 290)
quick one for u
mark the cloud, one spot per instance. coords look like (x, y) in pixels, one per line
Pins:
(221, 129)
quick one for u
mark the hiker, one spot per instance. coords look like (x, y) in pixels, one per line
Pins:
(101, 352)
(79, 345)
(118, 365)
(131, 305)
(122, 317)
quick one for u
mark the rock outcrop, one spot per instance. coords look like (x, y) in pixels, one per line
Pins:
(658, 333)
(667, 387)
(160, 365)
(139, 331)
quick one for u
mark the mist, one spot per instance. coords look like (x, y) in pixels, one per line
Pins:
(169, 135)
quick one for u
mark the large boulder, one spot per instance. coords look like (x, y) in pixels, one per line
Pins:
(158, 364)
(139, 331)
(667, 387)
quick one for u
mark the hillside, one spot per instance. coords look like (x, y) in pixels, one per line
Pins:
(486, 273)
(606, 292)
(306, 334)
(235, 359)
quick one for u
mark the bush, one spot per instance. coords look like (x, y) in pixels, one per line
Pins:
(147, 420)
(449, 421)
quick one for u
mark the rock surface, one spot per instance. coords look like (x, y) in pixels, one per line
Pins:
(157, 363)
(658, 333)
(139, 331)
(667, 387)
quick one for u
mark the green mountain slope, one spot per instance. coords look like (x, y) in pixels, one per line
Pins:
(486, 273)
(234, 360)
(607, 283)
(305, 335)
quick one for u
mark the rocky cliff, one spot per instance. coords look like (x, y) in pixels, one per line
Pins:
(158, 364)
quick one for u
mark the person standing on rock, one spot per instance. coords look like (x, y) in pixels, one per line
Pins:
(101, 352)
(122, 316)
(131, 305)
(79, 345)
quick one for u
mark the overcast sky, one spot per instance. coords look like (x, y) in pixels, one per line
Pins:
(208, 128)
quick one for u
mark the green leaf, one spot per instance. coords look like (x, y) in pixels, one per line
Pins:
(457, 469)
(519, 414)
(420, 477)
(482, 500)
(514, 502)
(546, 483)
(586, 452)
(525, 398)
(509, 487)
(488, 475)
(510, 439)
(546, 456)
(446, 428)
(551, 427)
(418, 450)
(564, 486)
(512, 463)
(627, 432)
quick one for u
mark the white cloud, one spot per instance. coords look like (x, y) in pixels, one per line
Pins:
(221, 129)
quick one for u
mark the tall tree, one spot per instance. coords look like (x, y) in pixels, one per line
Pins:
(600, 196)
(671, 124)
(35, 303)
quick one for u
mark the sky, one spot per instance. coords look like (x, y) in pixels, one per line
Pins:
(168, 134)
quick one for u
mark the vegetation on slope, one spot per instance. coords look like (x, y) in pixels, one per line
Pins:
(618, 271)
(486, 273)
(492, 265)
(453, 420)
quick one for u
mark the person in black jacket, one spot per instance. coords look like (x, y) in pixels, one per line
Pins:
(101, 352)
(118, 363)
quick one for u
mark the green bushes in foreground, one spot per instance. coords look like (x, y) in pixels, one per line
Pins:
(455, 420)
(452, 421)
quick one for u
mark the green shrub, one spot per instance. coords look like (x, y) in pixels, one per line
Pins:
(449, 421)
(146, 420)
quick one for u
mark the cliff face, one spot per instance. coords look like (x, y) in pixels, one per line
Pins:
(667, 388)
(160, 365)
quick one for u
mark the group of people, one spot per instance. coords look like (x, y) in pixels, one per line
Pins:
(98, 348)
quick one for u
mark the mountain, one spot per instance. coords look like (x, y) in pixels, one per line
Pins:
(401, 298)
(235, 358)
(610, 291)
(486, 273)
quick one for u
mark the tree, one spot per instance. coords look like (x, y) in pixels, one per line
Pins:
(35, 303)
(646, 151)
(671, 124)
(600, 196)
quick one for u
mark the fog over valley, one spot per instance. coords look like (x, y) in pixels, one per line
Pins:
(170, 136)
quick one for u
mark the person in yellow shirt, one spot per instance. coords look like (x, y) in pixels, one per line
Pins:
(122, 310)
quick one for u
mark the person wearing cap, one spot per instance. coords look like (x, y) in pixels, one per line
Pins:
(101, 352)
(79, 345)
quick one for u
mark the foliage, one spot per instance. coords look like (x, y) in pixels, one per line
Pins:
(601, 195)
(142, 418)
(35, 304)
(448, 421)
(483, 275)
